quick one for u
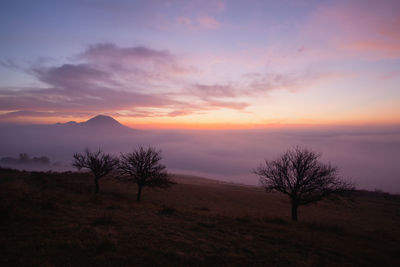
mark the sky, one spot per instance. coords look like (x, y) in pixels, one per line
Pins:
(201, 64)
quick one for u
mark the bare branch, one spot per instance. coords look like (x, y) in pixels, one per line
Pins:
(99, 163)
(299, 174)
(143, 167)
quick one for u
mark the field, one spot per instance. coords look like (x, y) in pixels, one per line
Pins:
(54, 219)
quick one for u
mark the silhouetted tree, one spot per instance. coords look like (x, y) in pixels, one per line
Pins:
(99, 163)
(299, 174)
(143, 167)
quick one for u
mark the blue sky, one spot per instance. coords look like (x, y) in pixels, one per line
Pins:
(201, 63)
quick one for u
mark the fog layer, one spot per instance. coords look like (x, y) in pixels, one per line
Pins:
(370, 156)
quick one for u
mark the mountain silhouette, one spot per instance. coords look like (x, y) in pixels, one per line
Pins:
(102, 121)
(99, 123)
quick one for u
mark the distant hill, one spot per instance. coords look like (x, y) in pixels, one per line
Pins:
(59, 141)
(99, 122)
(102, 121)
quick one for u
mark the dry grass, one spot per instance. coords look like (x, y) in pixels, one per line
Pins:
(52, 219)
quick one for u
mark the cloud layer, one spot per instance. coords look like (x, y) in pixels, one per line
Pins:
(114, 79)
(203, 61)
(368, 155)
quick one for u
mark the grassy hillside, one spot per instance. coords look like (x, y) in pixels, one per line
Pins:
(55, 219)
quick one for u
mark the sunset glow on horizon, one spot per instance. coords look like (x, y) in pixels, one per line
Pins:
(211, 64)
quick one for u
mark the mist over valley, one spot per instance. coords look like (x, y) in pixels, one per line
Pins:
(367, 155)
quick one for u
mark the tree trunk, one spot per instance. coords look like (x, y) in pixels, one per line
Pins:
(139, 193)
(294, 210)
(96, 182)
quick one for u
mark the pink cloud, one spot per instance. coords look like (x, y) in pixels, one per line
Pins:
(368, 29)
(204, 6)
(134, 59)
(200, 15)
(114, 79)
(79, 99)
(390, 75)
(207, 22)
(72, 76)
(207, 105)
(184, 21)
(216, 90)
(107, 51)
(177, 113)
(202, 22)
(29, 113)
(375, 47)
(229, 104)
(261, 83)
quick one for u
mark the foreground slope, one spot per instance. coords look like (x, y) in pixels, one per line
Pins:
(54, 219)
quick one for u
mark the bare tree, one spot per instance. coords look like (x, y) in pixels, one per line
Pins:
(299, 174)
(143, 167)
(99, 163)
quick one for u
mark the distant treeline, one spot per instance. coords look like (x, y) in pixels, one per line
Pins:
(24, 158)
